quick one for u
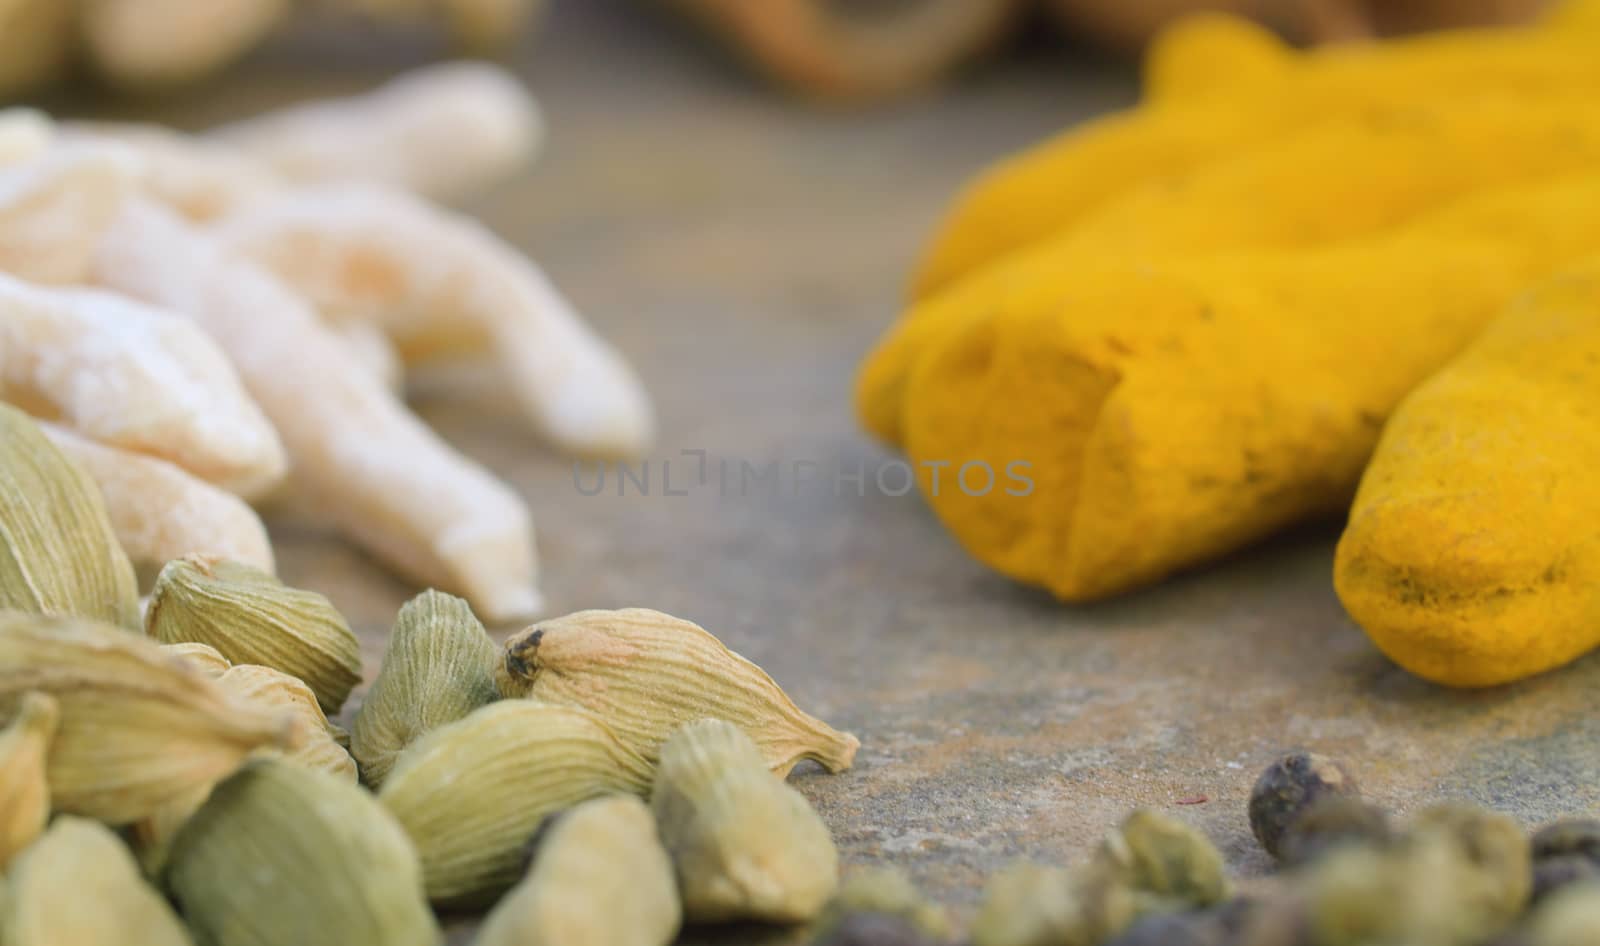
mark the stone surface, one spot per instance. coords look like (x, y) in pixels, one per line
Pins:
(745, 252)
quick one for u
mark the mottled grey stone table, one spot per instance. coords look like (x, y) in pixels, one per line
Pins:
(745, 252)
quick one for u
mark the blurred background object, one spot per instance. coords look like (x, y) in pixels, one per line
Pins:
(834, 50)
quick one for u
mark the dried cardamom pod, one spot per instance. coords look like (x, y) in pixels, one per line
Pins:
(319, 749)
(1499, 878)
(139, 728)
(78, 885)
(647, 673)
(1034, 905)
(883, 891)
(1570, 918)
(203, 657)
(58, 553)
(470, 793)
(268, 687)
(746, 845)
(599, 878)
(1165, 859)
(252, 618)
(24, 792)
(1424, 891)
(283, 854)
(439, 667)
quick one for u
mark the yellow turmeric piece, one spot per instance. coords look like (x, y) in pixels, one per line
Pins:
(1054, 186)
(1351, 176)
(1472, 555)
(1156, 416)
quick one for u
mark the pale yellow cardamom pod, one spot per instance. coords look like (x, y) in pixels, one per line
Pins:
(647, 673)
(203, 657)
(268, 687)
(471, 793)
(320, 749)
(439, 667)
(252, 618)
(139, 728)
(599, 878)
(281, 854)
(78, 886)
(24, 792)
(746, 845)
(58, 553)
(1031, 904)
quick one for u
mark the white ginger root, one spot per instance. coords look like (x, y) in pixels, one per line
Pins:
(24, 134)
(163, 42)
(429, 275)
(136, 378)
(200, 179)
(442, 132)
(160, 513)
(372, 349)
(53, 207)
(370, 467)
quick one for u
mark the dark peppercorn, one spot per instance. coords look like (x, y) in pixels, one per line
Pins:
(1243, 921)
(872, 929)
(1579, 836)
(1552, 874)
(1287, 788)
(1329, 822)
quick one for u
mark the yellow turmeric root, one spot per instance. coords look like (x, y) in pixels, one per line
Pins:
(1351, 176)
(1054, 186)
(1151, 417)
(1472, 556)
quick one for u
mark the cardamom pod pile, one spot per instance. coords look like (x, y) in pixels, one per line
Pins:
(182, 766)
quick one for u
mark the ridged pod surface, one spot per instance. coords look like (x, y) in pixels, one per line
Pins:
(282, 854)
(139, 728)
(647, 673)
(438, 668)
(470, 794)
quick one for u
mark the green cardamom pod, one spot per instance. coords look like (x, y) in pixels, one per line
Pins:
(746, 844)
(647, 673)
(282, 854)
(439, 667)
(252, 618)
(24, 790)
(78, 886)
(1032, 904)
(471, 793)
(1168, 863)
(139, 728)
(599, 878)
(58, 553)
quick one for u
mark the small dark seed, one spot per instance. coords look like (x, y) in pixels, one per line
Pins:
(1579, 836)
(1287, 787)
(1552, 874)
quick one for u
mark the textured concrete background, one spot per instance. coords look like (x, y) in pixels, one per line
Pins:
(744, 253)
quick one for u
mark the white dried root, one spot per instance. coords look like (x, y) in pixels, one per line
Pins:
(161, 513)
(370, 467)
(370, 254)
(372, 349)
(53, 207)
(24, 133)
(200, 179)
(162, 42)
(442, 131)
(136, 378)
